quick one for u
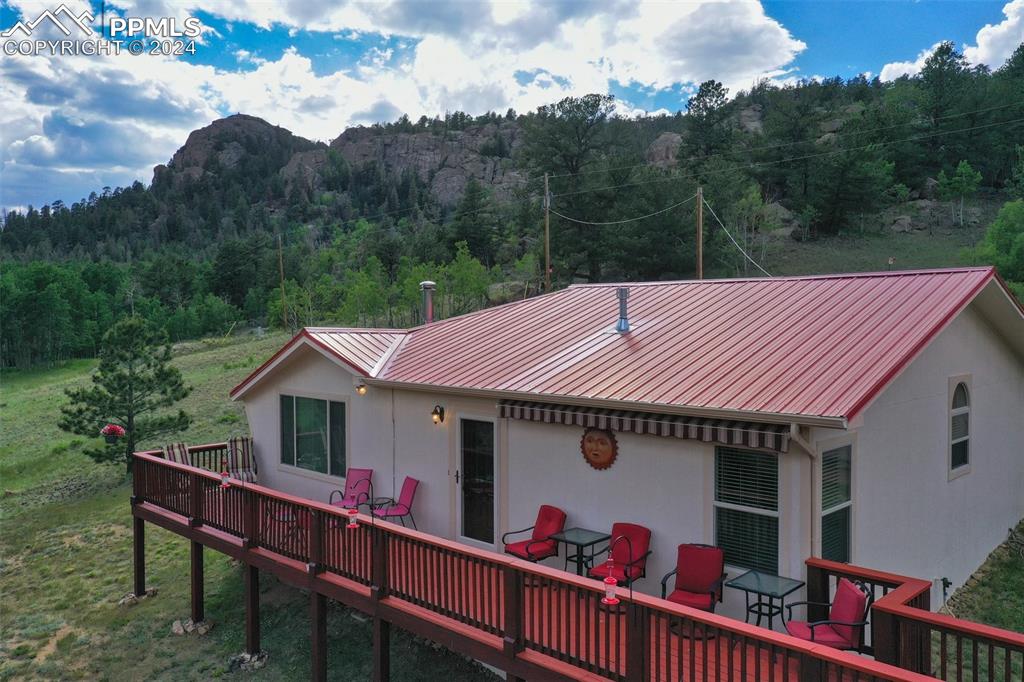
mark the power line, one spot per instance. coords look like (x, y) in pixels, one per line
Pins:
(795, 158)
(798, 142)
(733, 240)
(627, 220)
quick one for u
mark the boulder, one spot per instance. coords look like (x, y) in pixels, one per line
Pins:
(663, 151)
(902, 223)
(751, 120)
(930, 189)
(177, 628)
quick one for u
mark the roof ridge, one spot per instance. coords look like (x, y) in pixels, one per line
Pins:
(789, 278)
(355, 330)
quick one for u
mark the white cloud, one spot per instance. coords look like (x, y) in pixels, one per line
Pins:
(994, 45)
(894, 70)
(456, 57)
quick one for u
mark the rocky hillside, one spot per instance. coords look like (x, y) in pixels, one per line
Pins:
(444, 161)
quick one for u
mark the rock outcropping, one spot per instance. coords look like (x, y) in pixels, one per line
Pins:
(445, 161)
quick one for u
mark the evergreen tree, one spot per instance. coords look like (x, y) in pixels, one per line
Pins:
(132, 387)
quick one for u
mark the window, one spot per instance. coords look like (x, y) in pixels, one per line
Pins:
(959, 428)
(313, 434)
(747, 508)
(836, 504)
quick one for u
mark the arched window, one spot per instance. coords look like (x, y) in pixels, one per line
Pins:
(959, 428)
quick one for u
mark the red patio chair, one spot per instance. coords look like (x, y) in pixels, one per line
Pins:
(699, 572)
(241, 463)
(539, 545)
(403, 507)
(357, 489)
(847, 616)
(627, 554)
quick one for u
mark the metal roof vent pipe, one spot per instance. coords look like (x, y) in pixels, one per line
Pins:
(428, 300)
(622, 326)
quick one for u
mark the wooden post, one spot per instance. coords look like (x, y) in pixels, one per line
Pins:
(379, 567)
(817, 591)
(195, 514)
(198, 614)
(637, 642)
(139, 547)
(252, 610)
(884, 636)
(811, 669)
(250, 525)
(513, 642)
(547, 236)
(316, 547)
(381, 650)
(700, 233)
(318, 639)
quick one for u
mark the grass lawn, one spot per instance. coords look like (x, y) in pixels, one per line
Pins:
(65, 556)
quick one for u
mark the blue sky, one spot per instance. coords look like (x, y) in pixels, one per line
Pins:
(72, 124)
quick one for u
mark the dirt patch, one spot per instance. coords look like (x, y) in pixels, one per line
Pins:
(51, 644)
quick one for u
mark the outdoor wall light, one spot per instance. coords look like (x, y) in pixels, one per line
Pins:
(361, 389)
(437, 414)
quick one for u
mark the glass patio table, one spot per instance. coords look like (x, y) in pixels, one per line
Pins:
(769, 588)
(581, 539)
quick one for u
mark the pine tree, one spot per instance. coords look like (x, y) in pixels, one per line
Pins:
(132, 386)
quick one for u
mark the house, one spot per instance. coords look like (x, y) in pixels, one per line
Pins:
(872, 418)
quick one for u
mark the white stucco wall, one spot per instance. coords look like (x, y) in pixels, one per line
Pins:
(909, 515)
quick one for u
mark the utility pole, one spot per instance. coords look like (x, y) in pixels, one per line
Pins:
(700, 232)
(547, 236)
(280, 268)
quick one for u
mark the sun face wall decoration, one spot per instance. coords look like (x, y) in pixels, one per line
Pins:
(599, 447)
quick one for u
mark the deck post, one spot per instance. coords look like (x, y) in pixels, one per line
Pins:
(884, 636)
(817, 591)
(513, 625)
(250, 525)
(379, 568)
(318, 639)
(381, 650)
(198, 614)
(139, 550)
(316, 539)
(252, 610)
(637, 642)
(195, 514)
(811, 669)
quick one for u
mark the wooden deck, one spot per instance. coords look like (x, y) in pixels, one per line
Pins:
(534, 622)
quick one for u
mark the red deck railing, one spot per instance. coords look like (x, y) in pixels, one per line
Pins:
(905, 632)
(554, 618)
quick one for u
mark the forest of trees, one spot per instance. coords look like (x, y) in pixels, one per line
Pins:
(199, 258)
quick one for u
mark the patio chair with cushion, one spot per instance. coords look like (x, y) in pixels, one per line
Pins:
(627, 554)
(847, 616)
(357, 489)
(178, 453)
(241, 463)
(390, 510)
(539, 545)
(699, 572)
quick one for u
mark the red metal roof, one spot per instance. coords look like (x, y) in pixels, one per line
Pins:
(819, 346)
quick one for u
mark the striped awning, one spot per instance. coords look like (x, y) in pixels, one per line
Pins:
(727, 432)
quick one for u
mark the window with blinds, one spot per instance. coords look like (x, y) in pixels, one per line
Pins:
(836, 503)
(747, 508)
(959, 428)
(313, 434)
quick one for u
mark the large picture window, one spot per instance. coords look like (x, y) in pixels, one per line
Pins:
(747, 508)
(836, 504)
(313, 434)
